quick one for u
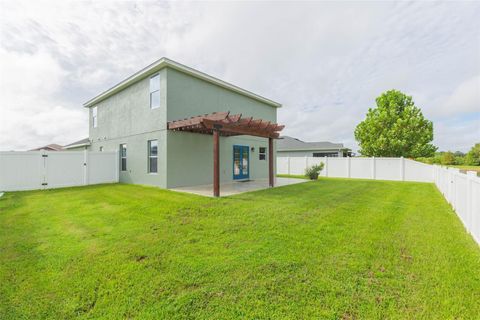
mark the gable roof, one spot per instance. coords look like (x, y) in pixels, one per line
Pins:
(286, 143)
(165, 62)
(79, 143)
(52, 146)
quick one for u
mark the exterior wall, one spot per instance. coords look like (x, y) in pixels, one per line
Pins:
(137, 157)
(190, 158)
(183, 158)
(190, 155)
(307, 153)
(188, 96)
(126, 117)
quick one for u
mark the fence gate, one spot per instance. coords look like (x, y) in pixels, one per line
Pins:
(30, 170)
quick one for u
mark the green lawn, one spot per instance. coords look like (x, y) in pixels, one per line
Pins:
(296, 176)
(333, 248)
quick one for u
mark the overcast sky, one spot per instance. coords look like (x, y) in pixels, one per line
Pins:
(325, 62)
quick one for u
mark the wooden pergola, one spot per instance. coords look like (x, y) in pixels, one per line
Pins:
(223, 124)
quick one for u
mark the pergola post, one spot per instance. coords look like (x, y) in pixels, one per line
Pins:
(271, 176)
(216, 163)
(230, 125)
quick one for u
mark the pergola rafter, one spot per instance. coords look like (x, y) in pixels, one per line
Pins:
(224, 124)
(227, 125)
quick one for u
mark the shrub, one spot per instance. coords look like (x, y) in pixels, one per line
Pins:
(447, 158)
(429, 160)
(473, 156)
(313, 171)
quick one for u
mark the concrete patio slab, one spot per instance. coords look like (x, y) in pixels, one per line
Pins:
(236, 187)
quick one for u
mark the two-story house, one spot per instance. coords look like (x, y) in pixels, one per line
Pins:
(175, 126)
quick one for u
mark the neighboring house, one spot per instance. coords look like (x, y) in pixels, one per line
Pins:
(78, 145)
(162, 118)
(292, 147)
(49, 147)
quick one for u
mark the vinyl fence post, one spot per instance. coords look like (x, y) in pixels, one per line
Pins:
(306, 163)
(348, 166)
(288, 165)
(44, 157)
(454, 188)
(402, 168)
(470, 176)
(373, 168)
(326, 166)
(85, 167)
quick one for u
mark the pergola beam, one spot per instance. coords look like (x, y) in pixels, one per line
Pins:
(240, 130)
(228, 125)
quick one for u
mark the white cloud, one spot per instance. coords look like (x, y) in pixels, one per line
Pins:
(29, 116)
(465, 98)
(325, 61)
(457, 135)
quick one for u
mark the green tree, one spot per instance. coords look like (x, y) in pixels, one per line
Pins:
(447, 158)
(473, 156)
(395, 128)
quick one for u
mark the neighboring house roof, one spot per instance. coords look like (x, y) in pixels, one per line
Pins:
(79, 143)
(286, 143)
(165, 62)
(51, 147)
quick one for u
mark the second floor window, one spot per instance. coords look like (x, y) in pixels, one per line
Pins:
(94, 117)
(155, 91)
(123, 157)
(152, 156)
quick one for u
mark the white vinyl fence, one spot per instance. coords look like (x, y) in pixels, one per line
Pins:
(462, 191)
(365, 168)
(30, 170)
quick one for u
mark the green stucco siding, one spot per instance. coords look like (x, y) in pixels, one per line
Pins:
(190, 158)
(126, 117)
(184, 159)
(190, 155)
(188, 96)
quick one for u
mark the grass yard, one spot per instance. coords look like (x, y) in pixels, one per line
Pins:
(296, 176)
(333, 248)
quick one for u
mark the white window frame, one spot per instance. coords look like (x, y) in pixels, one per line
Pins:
(154, 91)
(264, 153)
(94, 117)
(123, 157)
(150, 157)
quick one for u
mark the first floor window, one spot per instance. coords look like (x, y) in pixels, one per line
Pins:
(262, 154)
(123, 157)
(152, 156)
